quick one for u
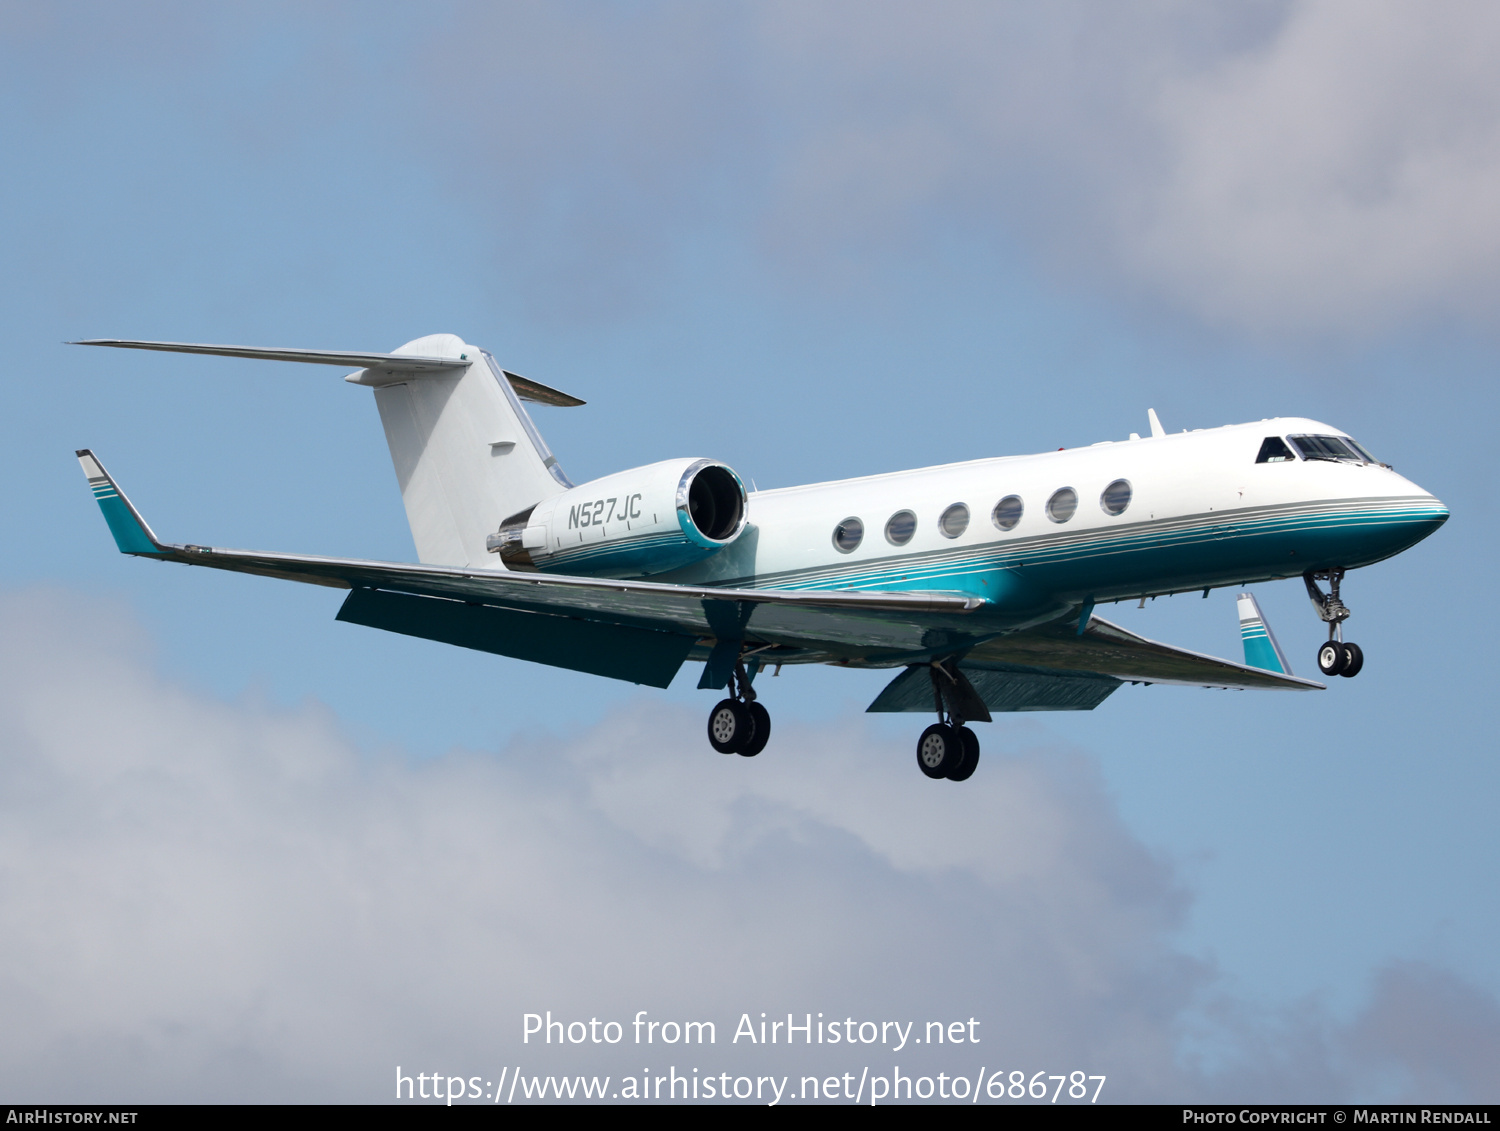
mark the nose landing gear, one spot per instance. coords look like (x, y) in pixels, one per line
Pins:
(1338, 656)
(739, 724)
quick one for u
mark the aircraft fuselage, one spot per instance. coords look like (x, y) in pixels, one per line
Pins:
(1199, 512)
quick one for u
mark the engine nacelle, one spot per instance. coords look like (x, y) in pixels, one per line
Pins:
(631, 524)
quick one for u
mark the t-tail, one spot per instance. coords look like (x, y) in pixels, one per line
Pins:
(1261, 649)
(466, 453)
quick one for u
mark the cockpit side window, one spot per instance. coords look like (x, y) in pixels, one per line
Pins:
(1274, 450)
(1334, 448)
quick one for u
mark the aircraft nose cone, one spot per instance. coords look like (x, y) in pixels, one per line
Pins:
(1419, 518)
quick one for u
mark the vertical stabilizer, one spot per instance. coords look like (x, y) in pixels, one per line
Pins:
(1261, 649)
(467, 455)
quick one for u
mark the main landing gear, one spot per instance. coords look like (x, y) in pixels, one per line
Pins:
(1338, 656)
(947, 749)
(739, 724)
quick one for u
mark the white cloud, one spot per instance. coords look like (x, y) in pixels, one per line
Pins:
(1343, 173)
(1308, 167)
(1319, 166)
(205, 900)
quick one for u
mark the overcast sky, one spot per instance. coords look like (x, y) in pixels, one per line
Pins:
(247, 852)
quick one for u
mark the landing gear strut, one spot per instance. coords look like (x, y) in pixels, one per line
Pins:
(947, 749)
(739, 724)
(1338, 656)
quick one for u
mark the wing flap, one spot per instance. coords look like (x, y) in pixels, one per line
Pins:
(1001, 691)
(637, 655)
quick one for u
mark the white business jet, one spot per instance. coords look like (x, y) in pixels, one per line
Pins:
(976, 582)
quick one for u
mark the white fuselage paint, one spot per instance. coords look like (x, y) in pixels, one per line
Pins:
(1205, 480)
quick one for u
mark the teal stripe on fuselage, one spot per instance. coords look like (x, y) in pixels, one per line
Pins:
(1166, 555)
(627, 557)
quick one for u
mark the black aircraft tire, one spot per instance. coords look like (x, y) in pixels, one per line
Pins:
(1332, 658)
(730, 727)
(939, 750)
(1354, 660)
(762, 733)
(965, 769)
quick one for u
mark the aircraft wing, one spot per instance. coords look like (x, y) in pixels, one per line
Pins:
(1053, 667)
(636, 630)
(1107, 649)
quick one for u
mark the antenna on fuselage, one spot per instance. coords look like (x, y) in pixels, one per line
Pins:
(1156, 428)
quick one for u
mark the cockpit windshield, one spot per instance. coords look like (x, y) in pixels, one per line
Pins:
(1336, 448)
(1274, 450)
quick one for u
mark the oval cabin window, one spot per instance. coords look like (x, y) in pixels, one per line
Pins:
(900, 528)
(1062, 505)
(847, 535)
(1008, 512)
(955, 521)
(1116, 497)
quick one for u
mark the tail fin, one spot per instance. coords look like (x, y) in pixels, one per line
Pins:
(1261, 649)
(466, 453)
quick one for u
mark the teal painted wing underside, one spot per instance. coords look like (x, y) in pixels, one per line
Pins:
(644, 631)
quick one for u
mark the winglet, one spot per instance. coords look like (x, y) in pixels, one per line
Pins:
(132, 535)
(1261, 649)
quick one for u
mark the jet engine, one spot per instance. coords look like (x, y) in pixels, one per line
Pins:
(631, 524)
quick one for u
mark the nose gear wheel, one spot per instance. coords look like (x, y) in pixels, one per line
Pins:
(1338, 656)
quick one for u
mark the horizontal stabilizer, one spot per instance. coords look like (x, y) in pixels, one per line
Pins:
(537, 393)
(345, 358)
(381, 363)
(132, 535)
